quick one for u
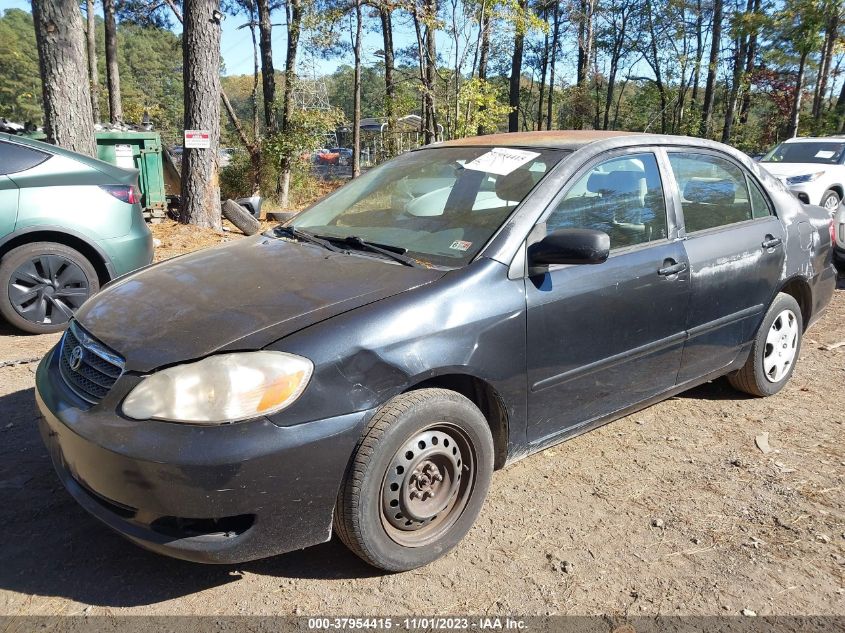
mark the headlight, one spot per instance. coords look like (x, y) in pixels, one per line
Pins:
(797, 180)
(219, 389)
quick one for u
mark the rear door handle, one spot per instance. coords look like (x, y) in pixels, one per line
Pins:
(771, 242)
(673, 268)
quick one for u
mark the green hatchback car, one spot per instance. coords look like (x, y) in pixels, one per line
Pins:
(69, 224)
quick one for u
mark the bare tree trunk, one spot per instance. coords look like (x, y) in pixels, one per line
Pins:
(792, 131)
(712, 67)
(93, 74)
(544, 66)
(430, 71)
(751, 56)
(738, 80)
(389, 82)
(256, 71)
(617, 45)
(483, 50)
(64, 78)
(555, 38)
(421, 57)
(201, 72)
(268, 73)
(294, 15)
(699, 50)
(516, 73)
(112, 70)
(356, 91)
(831, 33)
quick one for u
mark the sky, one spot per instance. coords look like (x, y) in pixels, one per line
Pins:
(236, 44)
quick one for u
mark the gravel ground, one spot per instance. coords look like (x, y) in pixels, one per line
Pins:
(673, 510)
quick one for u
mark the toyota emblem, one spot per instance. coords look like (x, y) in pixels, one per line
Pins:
(75, 359)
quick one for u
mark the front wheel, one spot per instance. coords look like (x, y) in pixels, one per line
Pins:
(417, 480)
(830, 200)
(774, 351)
(42, 284)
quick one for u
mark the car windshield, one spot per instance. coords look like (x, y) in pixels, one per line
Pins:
(441, 204)
(806, 152)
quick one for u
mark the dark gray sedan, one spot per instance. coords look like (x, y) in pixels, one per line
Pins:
(449, 312)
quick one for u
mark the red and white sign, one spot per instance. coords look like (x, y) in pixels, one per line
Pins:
(197, 139)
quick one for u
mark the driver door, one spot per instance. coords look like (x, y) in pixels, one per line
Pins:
(604, 337)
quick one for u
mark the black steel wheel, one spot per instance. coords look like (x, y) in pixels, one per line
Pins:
(417, 480)
(44, 284)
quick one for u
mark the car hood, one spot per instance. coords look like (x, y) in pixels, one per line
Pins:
(795, 169)
(239, 296)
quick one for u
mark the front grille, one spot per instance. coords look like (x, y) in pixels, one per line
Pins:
(88, 367)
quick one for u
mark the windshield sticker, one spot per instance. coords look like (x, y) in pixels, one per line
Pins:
(501, 160)
(823, 153)
(460, 245)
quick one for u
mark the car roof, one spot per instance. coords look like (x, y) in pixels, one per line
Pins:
(577, 139)
(94, 163)
(559, 139)
(816, 139)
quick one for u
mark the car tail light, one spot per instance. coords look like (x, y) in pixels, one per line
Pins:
(125, 193)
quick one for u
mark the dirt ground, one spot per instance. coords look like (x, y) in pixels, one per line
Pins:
(671, 511)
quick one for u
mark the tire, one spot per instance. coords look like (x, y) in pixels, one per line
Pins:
(61, 278)
(240, 217)
(764, 373)
(409, 442)
(830, 200)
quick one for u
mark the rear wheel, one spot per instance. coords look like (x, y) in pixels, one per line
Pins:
(774, 352)
(42, 284)
(417, 480)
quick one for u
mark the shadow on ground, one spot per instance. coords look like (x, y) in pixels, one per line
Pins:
(51, 547)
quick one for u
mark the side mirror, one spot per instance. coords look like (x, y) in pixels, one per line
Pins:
(569, 246)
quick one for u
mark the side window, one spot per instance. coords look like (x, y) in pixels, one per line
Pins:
(622, 197)
(714, 191)
(16, 158)
(759, 205)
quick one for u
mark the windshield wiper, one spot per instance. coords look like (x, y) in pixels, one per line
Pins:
(396, 253)
(303, 236)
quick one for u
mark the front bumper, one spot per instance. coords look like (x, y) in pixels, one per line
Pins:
(221, 494)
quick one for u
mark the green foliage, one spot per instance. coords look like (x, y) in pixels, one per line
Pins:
(150, 73)
(150, 76)
(481, 103)
(20, 86)
(306, 132)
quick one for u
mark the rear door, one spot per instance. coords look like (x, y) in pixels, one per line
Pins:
(14, 159)
(735, 248)
(603, 337)
(8, 205)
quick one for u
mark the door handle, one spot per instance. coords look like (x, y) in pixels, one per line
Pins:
(771, 242)
(671, 267)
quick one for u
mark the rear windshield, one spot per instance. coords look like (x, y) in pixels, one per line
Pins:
(441, 204)
(824, 152)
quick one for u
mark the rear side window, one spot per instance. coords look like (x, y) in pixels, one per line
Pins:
(622, 196)
(714, 191)
(17, 158)
(759, 205)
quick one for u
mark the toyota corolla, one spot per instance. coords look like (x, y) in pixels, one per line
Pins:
(364, 368)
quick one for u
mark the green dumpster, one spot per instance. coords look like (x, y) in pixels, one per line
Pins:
(143, 151)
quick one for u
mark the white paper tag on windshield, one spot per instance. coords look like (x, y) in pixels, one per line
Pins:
(501, 160)
(823, 153)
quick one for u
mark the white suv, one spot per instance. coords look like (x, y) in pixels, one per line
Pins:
(839, 238)
(811, 168)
